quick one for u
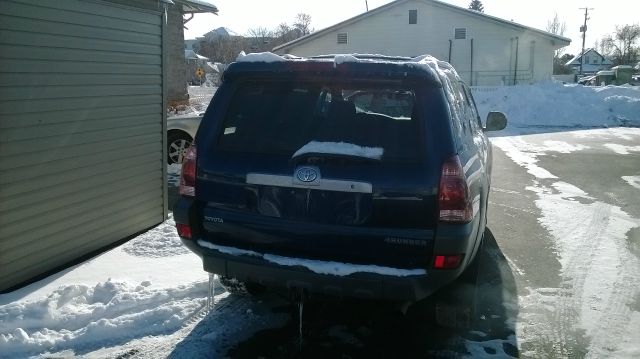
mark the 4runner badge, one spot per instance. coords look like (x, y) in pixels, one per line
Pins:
(306, 174)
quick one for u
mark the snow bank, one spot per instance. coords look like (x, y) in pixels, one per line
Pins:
(149, 286)
(73, 316)
(340, 148)
(552, 104)
(316, 266)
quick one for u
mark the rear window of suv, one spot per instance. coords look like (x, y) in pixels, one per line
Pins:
(280, 117)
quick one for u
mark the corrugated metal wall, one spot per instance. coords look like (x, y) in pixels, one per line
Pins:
(81, 130)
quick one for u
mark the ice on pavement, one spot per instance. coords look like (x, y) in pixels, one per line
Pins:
(590, 239)
(633, 181)
(622, 149)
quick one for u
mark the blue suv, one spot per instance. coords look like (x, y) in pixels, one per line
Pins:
(348, 175)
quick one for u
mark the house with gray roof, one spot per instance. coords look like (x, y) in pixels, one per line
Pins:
(593, 62)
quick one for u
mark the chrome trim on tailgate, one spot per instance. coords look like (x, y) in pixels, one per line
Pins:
(323, 184)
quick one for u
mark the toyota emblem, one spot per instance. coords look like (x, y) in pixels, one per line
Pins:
(306, 174)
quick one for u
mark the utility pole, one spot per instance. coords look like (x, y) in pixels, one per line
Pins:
(583, 30)
(366, 3)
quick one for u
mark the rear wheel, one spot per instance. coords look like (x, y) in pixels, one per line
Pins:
(177, 144)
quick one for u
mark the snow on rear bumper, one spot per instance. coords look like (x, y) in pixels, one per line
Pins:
(320, 277)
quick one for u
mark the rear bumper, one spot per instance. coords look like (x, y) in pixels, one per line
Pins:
(360, 285)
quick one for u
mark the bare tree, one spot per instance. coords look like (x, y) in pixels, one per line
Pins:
(282, 32)
(303, 24)
(557, 27)
(620, 46)
(259, 39)
(222, 49)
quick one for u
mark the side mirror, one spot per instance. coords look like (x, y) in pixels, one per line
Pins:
(496, 121)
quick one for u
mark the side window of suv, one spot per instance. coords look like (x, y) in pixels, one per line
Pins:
(457, 116)
(476, 122)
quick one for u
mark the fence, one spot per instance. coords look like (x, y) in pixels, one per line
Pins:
(200, 96)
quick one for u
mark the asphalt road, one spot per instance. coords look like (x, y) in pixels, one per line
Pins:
(559, 272)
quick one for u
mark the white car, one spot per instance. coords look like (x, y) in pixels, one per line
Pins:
(181, 130)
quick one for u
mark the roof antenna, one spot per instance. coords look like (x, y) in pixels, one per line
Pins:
(366, 3)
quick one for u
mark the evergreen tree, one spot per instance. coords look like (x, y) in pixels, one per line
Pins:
(476, 5)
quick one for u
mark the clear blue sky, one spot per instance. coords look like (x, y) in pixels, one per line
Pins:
(241, 15)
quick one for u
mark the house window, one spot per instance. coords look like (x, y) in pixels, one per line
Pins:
(460, 33)
(413, 16)
(594, 61)
(342, 38)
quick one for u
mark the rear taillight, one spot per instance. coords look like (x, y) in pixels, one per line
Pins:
(184, 230)
(188, 175)
(453, 198)
(447, 262)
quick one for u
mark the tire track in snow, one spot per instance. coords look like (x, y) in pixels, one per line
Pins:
(599, 274)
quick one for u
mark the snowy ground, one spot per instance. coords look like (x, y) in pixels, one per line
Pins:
(148, 297)
(149, 291)
(596, 303)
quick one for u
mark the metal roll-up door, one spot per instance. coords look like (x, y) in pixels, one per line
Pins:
(81, 130)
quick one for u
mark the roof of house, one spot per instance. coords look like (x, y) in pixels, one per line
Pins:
(576, 59)
(221, 31)
(434, 2)
(191, 55)
(196, 6)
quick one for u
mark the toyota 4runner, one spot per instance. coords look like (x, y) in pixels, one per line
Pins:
(349, 175)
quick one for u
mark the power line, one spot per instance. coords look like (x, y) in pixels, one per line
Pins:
(583, 30)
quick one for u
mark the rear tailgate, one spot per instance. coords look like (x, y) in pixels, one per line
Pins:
(259, 192)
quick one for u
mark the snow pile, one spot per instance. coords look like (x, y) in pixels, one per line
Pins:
(148, 286)
(340, 58)
(340, 148)
(161, 241)
(552, 104)
(259, 57)
(316, 266)
(73, 316)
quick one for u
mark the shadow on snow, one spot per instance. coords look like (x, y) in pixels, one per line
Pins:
(357, 328)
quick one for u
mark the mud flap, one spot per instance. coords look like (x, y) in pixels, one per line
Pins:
(456, 304)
